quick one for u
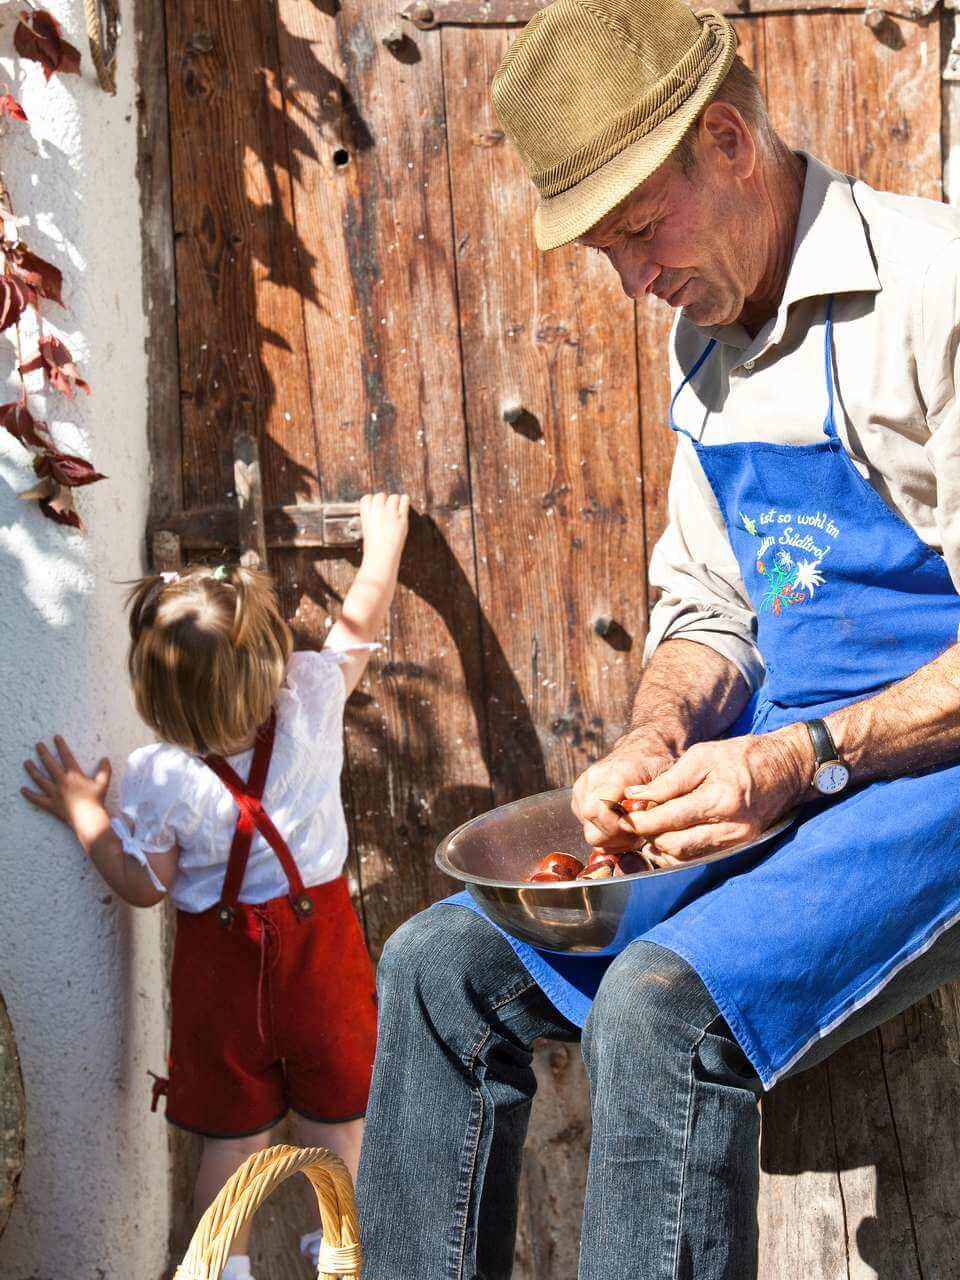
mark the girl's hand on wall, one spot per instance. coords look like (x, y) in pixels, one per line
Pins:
(75, 797)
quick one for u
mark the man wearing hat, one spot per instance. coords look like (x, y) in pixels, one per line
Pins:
(802, 658)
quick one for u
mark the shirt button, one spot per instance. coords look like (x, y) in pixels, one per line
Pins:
(748, 365)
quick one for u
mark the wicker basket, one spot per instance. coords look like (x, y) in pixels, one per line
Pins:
(246, 1191)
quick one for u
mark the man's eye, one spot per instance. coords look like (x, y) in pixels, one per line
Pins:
(646, 232)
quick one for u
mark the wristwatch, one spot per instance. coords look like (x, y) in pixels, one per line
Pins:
(831, 775)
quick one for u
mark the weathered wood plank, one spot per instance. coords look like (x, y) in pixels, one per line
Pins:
(240, 263)
(921, 1050)
(554, 1166)
(379, 315)
(877, 1216)
(556, 493)
(427, 14)
(802, 1233)
(883, 124)
(159, 281)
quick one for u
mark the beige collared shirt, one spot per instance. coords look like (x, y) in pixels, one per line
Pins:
(892, 264)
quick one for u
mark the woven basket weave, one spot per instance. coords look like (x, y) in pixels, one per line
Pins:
(242, 1196)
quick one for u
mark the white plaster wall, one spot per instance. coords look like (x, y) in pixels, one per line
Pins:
(81, 974)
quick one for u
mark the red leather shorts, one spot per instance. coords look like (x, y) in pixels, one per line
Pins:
(272, 1013)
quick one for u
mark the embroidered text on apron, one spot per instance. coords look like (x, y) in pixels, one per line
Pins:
(848, 600)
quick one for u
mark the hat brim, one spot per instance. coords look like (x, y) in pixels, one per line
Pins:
(562, 218)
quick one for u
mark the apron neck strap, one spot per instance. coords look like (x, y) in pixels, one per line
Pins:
(829, 422)
(674, 425)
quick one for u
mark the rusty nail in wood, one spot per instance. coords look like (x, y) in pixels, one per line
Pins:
(513, 413)
(421, 13)
(393, 38)
(487, 138)
(603, 625)
(874, 18)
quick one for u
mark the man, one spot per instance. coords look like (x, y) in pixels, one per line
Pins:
(802, 656)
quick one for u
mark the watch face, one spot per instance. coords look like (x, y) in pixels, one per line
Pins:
(831, 778)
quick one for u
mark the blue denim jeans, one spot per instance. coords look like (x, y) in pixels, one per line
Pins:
(674, 1162)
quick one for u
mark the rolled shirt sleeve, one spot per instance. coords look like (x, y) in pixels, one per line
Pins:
(693, 565)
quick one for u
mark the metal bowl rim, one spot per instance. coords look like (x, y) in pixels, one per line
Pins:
(464, 876)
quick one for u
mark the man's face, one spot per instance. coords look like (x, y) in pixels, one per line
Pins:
(682, 238)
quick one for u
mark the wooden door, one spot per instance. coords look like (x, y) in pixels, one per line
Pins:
(357, 287)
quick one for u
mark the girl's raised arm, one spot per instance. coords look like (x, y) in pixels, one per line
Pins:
(384, 518)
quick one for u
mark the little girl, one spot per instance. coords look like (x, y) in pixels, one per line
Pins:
(272, 991)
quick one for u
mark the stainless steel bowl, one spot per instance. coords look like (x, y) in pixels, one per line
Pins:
(492, 853)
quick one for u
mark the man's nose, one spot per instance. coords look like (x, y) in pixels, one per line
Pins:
(636, 275)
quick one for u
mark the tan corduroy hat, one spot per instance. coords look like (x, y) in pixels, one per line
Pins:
(596, 94)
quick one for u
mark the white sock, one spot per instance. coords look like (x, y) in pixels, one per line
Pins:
(310, 1246)
(237, 1267)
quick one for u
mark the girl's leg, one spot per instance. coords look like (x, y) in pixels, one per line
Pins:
(221, 1158)
(342, 1139)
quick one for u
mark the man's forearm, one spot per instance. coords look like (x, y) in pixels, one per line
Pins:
(912, 725)
(688, 693)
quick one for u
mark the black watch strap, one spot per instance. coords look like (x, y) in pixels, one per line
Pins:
(823, 745)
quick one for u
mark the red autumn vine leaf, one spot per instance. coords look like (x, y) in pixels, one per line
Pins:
(57, 362)
(39, 37)
(20, 422)
(66, 469)
(11, 107)
(15, 297)
(55, 501)
(34, 271)
(61, 509)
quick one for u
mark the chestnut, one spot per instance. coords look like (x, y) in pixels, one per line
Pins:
(601, 866)
(563, 865)
(546, 877)
(632, 861)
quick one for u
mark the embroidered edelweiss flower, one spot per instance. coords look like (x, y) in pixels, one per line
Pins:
(808, 576)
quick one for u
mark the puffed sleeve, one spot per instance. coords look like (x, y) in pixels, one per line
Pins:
(142, 824)
(939, 368)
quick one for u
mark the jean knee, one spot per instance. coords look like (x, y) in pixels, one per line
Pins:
(650, 1003)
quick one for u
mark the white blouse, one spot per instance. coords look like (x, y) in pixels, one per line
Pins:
(170, 797)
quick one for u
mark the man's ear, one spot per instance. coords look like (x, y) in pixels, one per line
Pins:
(727, 140)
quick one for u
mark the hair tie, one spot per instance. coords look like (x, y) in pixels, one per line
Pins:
(220, 573)
(169, 577)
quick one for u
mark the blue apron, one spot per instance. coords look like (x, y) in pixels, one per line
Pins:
(848, 600)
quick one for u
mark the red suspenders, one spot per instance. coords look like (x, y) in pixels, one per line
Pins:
(253, 818)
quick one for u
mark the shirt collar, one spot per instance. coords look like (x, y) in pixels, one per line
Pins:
(831, 255)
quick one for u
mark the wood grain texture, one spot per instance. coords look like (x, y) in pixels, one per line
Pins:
(159, 281)
(239, 259)
(549, 341)
(381, 340)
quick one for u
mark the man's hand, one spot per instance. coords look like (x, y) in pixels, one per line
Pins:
(636, 759)
(719, 794)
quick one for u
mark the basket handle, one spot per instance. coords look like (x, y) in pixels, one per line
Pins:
(243, 1194)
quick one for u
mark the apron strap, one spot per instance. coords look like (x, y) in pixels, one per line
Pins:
(248, 796)
(829, 422)
(674, 426)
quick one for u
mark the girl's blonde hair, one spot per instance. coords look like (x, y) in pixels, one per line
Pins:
(208, 653)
